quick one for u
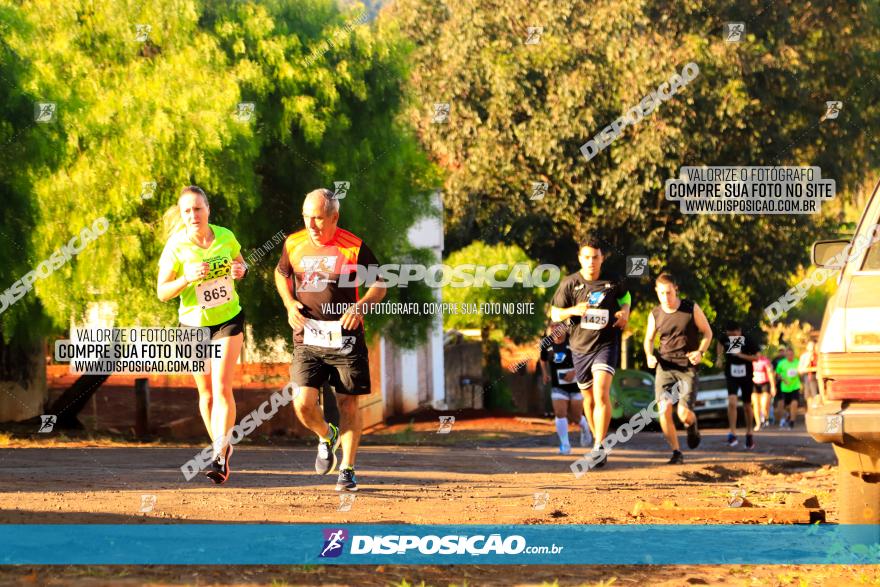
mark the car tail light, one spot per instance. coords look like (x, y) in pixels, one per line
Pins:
(863, 389)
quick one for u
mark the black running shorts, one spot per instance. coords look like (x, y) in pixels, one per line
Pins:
(231, 327)
(346, 370)
(744, 386)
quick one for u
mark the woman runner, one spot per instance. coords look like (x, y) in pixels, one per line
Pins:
(199, 263)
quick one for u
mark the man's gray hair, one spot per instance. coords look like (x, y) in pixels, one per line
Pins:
(331, 203)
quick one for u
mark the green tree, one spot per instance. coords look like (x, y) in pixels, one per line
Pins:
(163, 103)
(520, 326)
(519, 112)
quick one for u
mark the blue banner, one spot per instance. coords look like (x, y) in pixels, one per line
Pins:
(289, 544)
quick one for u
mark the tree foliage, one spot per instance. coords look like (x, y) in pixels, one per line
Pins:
(519, 113)
(166, 109)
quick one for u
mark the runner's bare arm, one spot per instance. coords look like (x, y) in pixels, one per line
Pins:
(703, 326)
(650, 335)
(169, 284)
(239, 267)
(294, 317)
(353, 317)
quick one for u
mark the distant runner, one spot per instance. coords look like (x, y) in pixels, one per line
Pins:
(685, 335)
(765, 389)
(327, 347)
(568, 403)
(790, 389)
(738, 372)
(597, 308)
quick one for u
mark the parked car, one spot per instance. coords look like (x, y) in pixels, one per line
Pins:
(711, 400)
(631, 391)
(847, 414)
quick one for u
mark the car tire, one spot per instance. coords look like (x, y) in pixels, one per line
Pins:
(858, 500)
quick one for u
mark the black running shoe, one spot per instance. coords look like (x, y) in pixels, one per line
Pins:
(219, 469)
(750, 442)
(693, 436)
(346, 480)
(601, 462)
(677, 458)
(326, 459)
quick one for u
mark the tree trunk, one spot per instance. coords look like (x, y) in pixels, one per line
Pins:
(23, 391)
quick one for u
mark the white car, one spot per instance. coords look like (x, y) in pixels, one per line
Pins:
(711, 400)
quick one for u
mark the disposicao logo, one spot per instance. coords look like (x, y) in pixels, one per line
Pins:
(334, 541)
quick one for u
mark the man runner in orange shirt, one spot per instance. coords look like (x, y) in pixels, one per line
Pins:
(327, 322)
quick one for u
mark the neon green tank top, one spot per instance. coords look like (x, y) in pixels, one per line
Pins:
(212, 300)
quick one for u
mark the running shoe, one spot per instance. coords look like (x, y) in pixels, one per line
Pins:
(731, 439)
(586, 437)
(791, 425)
(783, 423)
(750, 442)
(565, 449)
(601, 462)
(757, 427)
(218, 471)
(693, 435)
(346, 480)
(677, 458)
(326, 459)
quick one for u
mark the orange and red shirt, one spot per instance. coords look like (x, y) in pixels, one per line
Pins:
(315, 271)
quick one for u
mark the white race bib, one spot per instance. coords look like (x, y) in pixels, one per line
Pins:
(792, 373)
(737, 370)
(323, 333)
(214, 292)
(595, 319)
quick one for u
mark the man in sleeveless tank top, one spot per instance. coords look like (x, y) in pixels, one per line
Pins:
(679, 323)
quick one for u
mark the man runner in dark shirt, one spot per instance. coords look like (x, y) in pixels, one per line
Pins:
(679, 323)
(327, 320)
(596, 309)
(736, 353)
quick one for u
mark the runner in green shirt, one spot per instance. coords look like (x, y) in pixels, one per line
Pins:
(790, 388)
(199, 264)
